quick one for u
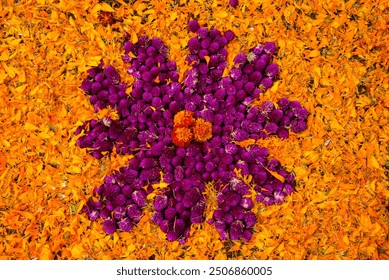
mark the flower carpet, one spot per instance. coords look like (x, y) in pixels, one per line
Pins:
(194, 130)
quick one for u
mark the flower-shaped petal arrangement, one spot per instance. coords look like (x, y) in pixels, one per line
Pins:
(189, 134)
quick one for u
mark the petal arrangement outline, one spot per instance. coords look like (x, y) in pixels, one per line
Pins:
(188, 135)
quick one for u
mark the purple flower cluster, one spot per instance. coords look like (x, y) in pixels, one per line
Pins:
(145, 125)
(180, 205)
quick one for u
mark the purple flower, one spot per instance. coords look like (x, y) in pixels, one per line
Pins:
(298, 126)
(229, 35)
(139, 197)
(179, 226)
(266, 83)
(109, 226)
(161, 202)
(236, 74)
(249, 219)
(246, 203)
(266, 108)
(236, 230)
(276, 115)
(271, 127)
(119, 213)
(301, 113)
(234, 3)
(272, 70)
(134, 212)
(193, 25)
(270, 48)
(119, 200)
(279, 196)
(240, 59)
(202, 32)
(170, 213)
(93, 215)
(125, 224)
(220, 226)
(172, 235)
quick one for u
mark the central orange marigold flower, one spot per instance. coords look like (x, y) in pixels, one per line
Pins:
(186, 128)
(202, 130)
(181, 136)
(183, 118)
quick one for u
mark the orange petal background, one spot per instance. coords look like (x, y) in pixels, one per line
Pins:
(333, 57)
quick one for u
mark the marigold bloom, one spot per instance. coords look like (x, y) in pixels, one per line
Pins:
(181, 136)
(202, 130)
(183, 118)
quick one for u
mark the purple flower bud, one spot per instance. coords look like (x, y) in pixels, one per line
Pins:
(255, 77)
(271, 127)
(235, 74)
(240, 135)
(148, 163)
(220, 226)
(246, 203)
(93, 215)
(240, 59)
(129, 47)
(237, 212)
(249, 87)
(276, 115)
(86, 85)
(301, 113)
(270, 48)
(246, 235)
(134, 212)
(203, 53)
(229, 35)
(266, 108)
(193, 25)
(268, 200)
(258, 50)
(109, 226)
(161, 202)
(157, 218)
(283, 103)
(125, 224)
(266, 83)
(119, 213)
(282, 133)
(234, 3)
(288, 189)
(119, 200)
(260, 65)
(191, 197)
(218, 214)
(105, 213)
(279, 196)
(272, 70)
(164, 225)
(298, 126)
(196, 217)
(232, 198)
(236, 230)
(179, 225)
(139, 197)
(170, 213)
(172, 236)
(249, 219)
(202, 32)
